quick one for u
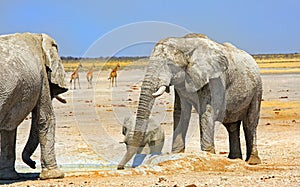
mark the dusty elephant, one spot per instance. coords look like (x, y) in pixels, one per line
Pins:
(154, 138)
(31, 74)
(220, 81)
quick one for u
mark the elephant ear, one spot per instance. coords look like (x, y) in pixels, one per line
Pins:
(54, 67)
(204, 63)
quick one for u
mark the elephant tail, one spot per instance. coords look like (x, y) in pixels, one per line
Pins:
(32, 142)
(27, 160)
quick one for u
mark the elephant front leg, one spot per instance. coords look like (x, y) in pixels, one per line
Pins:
(207, 129)
(8, 155)
(182, 107)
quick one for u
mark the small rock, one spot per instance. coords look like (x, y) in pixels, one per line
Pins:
(161, 179)
(223, 152)
(191, 185)
(284, 97)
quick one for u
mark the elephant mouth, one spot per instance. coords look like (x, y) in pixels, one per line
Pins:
(56, 90)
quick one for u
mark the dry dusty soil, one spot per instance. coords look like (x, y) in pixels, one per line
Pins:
(88, 133)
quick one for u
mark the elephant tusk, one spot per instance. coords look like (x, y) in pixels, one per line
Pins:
(60, 99)
(160, 91)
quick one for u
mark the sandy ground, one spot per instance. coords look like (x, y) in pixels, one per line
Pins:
(89, 131)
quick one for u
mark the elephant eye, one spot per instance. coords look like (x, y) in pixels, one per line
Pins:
(54, 45)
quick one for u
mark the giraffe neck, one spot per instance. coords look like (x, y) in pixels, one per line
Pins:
(91, 69)
(115, 69)
(77, 69)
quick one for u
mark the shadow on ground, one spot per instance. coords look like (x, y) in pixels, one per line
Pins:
(23, 177)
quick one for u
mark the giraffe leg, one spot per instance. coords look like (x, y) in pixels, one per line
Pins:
(74, 84)
(78, 83)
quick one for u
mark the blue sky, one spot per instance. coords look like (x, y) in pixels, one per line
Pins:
(257, 26)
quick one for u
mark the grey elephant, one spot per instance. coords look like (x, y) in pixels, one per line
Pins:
(31, 74)
(221, 82)
(154, 138)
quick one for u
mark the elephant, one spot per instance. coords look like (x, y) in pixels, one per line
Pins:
(154, 138)
(220, 81)
(31, 75)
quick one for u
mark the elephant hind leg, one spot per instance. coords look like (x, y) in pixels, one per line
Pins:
(252, 153)
(8, 155)
(250, 137)
(233, 130)
(249, 125)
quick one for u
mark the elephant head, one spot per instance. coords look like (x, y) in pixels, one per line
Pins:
(184, 62)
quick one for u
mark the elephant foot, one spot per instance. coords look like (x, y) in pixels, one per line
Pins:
(210, 150)
(9, 175)
(178, 150)
(235, 156)
(120, 167)
(254, 160)
(51, 174)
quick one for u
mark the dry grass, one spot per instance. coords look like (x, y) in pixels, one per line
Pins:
(295, 64)
(280, 71)
(278, 64)
(280, 109)
(102, 65)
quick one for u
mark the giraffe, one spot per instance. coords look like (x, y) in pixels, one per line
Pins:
(113, 75)
(89, 76)
(75, 76)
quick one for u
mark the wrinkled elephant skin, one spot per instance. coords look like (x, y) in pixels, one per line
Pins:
(31, 74)
(220, 81)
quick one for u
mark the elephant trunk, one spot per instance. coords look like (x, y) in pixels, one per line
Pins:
(150, 85)
(143, 112)
(146, 100)
(144, 109)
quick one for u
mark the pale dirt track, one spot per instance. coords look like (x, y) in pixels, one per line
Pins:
(88, 134)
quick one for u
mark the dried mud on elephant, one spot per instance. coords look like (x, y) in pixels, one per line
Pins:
(79, 141)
